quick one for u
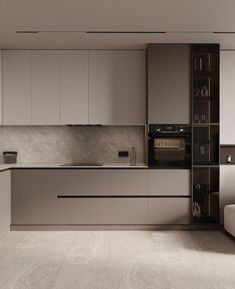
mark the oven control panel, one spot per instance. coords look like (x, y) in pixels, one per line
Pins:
(169, 129)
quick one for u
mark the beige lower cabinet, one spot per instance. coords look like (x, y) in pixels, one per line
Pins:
(102, 211)
(169, 182)
(169, 211)
(34, 197)
(93, 196)
(5, 201)
(126, 182)
(80, 211)
(101, 197)
(119, 182)
(80, 182)
(128, 211)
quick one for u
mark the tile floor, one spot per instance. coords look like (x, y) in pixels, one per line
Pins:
(117, 260)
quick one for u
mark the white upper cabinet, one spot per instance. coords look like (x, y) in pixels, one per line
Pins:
(227, 97)
(45, 87)
(102, 87)
(117, 87)
(74, 87)
(52, 87)
(131, 87)
(16, 87)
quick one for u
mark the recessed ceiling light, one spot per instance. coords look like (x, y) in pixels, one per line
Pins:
(127, 32)
(224, 32)
(26, 31)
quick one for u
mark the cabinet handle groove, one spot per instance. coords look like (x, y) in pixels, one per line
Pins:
(118, 196)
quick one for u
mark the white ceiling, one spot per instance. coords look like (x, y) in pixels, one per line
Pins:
(200, 16)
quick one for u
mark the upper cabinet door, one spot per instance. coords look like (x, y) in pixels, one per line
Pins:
(102, 87)
(16, 87)
(74, 87)
(227, 97)
(131, 87)
(45, 87)
(169, 84)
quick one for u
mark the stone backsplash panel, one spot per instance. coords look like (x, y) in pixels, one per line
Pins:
(62, 144)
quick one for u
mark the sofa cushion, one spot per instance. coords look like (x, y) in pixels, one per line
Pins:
(229, 219)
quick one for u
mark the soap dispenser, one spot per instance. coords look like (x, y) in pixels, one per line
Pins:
(133, 156)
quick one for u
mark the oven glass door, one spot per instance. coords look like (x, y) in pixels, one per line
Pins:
(170, 151)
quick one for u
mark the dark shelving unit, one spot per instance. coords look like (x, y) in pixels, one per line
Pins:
(205, 133)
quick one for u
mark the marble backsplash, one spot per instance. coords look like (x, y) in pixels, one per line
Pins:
(63, 144)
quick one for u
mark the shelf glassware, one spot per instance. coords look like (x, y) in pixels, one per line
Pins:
(205, 133)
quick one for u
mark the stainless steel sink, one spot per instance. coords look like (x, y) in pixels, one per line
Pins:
(82, 165)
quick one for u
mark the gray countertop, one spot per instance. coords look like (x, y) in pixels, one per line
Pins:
(4, 167)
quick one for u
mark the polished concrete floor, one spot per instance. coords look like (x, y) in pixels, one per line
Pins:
(117, 260)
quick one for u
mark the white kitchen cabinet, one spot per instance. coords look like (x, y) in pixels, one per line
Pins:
(51, 87)
(227, 97)
(74, 87)
(117, 87)
(131, 87)
(5, 201)
(102, 87)
(45, 87)
(16, 87)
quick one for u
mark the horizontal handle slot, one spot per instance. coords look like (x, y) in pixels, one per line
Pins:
(118, 196)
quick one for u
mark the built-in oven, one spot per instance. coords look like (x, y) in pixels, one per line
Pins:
(169, 146)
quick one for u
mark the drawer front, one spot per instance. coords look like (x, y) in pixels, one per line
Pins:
(80, 182)
(126, 182)
(106, 211)
(72, 211)
(169, 182)
(169, 211)
(126, 211)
